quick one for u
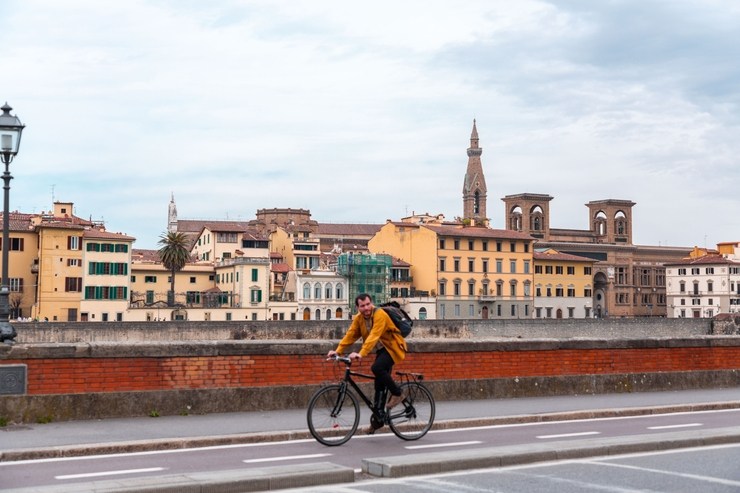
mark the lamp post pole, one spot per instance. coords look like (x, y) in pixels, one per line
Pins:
(10, 140)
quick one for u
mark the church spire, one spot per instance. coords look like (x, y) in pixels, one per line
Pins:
(474, 187)
(172, 215)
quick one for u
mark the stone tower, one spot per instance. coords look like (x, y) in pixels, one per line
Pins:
(474, 188)
(172, 215)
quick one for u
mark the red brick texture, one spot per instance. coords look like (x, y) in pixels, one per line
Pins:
(121, 374)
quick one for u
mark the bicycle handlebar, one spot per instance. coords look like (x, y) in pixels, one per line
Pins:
(343, 359)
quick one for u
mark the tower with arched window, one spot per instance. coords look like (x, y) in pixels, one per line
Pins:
(474, 187)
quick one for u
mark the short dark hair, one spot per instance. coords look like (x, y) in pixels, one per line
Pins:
(362, 296)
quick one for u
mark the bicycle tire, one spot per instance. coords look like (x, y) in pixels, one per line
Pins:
(414, 417)
(327, 426)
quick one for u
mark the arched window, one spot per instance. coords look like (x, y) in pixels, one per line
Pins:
(327, 291)
(318, 314)
(338, 314)
(340, 292)
(328, 314)
(317, 291)
(476, 202)
(422, 313)
(307, 291)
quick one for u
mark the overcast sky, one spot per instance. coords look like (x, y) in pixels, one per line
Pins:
(362, 111)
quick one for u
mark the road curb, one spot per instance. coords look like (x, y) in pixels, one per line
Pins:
(441, 462)
(259, 479)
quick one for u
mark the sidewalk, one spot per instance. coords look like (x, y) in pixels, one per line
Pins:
(74, 438)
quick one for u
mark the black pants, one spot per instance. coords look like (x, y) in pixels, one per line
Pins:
(382, 369)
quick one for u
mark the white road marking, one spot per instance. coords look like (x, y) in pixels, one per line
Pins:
(458, 444)
(109, 473)
(285, 457)
(668, 427)
(709, 479)
(567, 435)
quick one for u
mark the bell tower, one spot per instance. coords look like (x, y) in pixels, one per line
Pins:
(474, 187)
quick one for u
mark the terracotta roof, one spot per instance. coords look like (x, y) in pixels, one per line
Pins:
(280, 267)
(477, 232)
(195, 226)
(143, 255)
(18, 221)
(348, 229)
(397, 262)
(96, 233)
(705, 260)
(561, 256)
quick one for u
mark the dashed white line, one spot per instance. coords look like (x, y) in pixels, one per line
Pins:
(568, 435)
(285, 457)
(668, 427)
(458, 444)
(109, 473)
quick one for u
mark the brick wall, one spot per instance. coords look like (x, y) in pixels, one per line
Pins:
(74, 381)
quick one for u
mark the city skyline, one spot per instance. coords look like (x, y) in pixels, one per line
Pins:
(363, 113)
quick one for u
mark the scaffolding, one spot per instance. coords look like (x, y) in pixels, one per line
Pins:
(366, 273)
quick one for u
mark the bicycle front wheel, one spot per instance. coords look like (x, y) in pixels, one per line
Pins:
(333, 415)
(413, 418)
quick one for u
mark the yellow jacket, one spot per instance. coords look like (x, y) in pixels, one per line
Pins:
(382, 331)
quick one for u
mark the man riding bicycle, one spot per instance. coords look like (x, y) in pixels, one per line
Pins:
(377, 332)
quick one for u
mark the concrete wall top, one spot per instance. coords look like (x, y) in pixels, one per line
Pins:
(146, 332)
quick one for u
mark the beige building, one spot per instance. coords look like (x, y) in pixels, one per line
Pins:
(106, 280)
(22, 265)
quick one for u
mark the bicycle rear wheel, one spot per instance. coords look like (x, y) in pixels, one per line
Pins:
(333, 415)
(413, 418)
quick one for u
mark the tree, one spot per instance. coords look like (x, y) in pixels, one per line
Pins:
(174, 254)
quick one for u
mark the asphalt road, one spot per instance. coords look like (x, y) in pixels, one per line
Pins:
(270, 450)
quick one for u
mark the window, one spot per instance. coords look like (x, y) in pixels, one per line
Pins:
(499, 246)
(559, 291)
(149, 297)
(471, 265)
(587, 271)
(710, 270)
(255, 295)
(526, 266)
(327, 294)
(15, 284)
(442, 265)
(485, 265)
(317, 291)
(471, 311)
(485, 246)
(441, 243)
(538, 269)
(442, 286)
(559, 270)
(512, 246)
(74, 262)
(710, 288)
(255, 275)
(456, 288)
(512, 288)
(571, 270)
(456, 265)
(150, 279)
(73, 284)
(192, 279)
(457, 244)
(73, 243)
(571, 292)
(512, 266)
(340, 295)
(499, 265)
(571, 312)
(548, 269)
(470, 244)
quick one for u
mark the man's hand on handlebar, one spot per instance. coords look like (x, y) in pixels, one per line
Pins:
(356, 356)
(331, 354)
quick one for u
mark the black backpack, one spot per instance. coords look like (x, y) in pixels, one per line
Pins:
(399, 317)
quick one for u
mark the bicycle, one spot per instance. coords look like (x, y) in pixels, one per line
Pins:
(334, 411)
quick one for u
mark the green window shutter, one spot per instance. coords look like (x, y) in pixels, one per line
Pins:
(254, 275)
(91, 267)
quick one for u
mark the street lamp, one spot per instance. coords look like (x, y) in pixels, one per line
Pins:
(11, 129)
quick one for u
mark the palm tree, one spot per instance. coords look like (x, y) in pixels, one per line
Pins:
(174, 254)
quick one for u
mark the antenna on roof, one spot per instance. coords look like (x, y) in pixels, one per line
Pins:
(52, 193)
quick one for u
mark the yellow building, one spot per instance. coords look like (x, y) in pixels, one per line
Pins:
(22, 265)
(562, 285)
(474, 272)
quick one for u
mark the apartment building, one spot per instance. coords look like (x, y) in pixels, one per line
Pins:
(473, 272)
(705, 284)
(562, 285)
